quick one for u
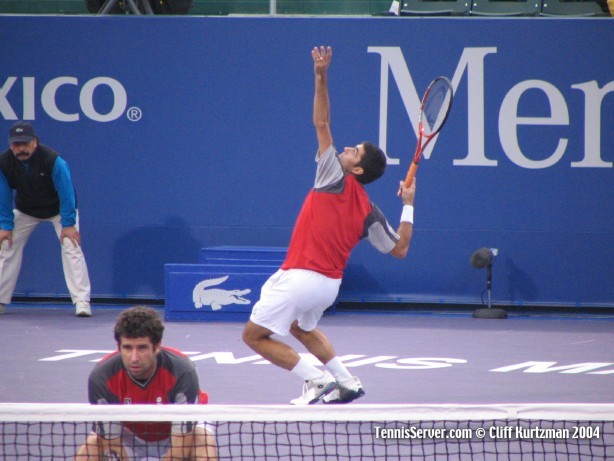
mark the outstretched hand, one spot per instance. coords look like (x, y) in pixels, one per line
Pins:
(321, 58)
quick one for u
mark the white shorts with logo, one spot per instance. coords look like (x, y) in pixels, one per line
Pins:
(294, 294)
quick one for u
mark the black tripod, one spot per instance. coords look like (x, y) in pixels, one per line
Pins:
(484, 258)
(129, 6)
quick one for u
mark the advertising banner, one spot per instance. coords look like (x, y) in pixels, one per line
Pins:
(190, 132)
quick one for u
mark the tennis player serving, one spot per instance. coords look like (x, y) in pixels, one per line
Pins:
(335, 216)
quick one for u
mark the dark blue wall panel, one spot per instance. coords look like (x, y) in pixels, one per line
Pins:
(222, 151)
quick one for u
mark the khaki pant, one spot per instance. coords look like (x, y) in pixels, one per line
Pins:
(73, 260)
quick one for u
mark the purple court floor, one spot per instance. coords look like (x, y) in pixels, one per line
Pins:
(47, 353)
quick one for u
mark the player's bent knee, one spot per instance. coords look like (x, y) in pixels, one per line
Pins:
(247, 334)
(90, 449)
(252, 333)
(297, 331)
(205, 447)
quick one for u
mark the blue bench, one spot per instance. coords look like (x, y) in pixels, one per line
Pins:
(242, 255)
(209, 292)
(224, 285)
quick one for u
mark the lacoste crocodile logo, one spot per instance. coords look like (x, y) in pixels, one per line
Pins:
(216, 297)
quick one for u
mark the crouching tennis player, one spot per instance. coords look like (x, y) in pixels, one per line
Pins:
(336, 215)
(142, 371)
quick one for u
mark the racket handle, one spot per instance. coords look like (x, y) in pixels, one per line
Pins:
(410, 174)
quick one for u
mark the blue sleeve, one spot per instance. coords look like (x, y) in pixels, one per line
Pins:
(66, 191)
(6, 204)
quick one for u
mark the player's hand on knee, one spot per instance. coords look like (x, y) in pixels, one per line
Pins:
(6, 236)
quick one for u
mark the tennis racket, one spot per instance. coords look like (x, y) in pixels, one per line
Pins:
(434, 109)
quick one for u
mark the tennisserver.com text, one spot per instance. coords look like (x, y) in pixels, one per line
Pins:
(493, 432)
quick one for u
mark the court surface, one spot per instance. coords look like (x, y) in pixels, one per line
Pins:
(47, 354)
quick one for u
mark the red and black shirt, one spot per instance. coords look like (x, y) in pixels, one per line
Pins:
(175, 381)
(335, 216)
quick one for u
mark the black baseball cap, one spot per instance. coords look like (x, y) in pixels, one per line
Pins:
(21, 132)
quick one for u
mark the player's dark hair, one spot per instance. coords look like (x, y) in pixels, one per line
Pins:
(373, 163)
(139, 322)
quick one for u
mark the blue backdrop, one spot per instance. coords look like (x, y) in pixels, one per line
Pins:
(186, 132)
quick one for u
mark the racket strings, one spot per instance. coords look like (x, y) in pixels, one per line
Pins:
(436, 105)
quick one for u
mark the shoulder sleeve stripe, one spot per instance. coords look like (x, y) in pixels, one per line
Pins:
(379, 233)
(329, 170)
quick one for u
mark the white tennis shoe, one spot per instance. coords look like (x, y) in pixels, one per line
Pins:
(315, 390)
(83, 309)
(344, 393)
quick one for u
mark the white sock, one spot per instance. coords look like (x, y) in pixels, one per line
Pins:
(339, 371)
(306, 371)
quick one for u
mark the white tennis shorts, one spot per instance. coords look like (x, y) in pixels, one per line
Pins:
(294, 294)
(138, 449)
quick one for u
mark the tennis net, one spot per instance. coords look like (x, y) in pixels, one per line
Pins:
(536, 432)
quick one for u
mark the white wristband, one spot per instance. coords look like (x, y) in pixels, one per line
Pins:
(408, 214)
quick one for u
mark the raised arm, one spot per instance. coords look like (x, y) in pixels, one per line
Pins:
(406, 226)
(321, 104)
